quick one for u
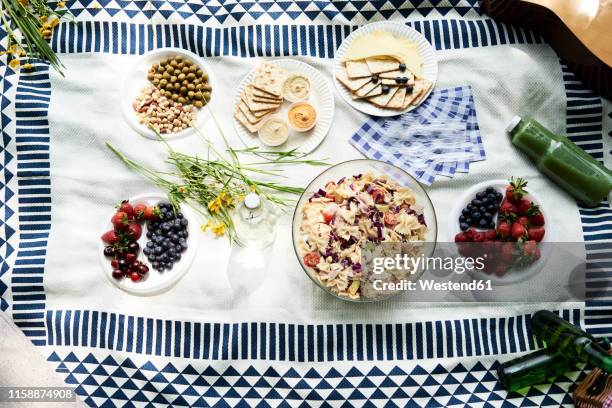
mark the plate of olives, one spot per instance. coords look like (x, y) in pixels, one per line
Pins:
(168, 90)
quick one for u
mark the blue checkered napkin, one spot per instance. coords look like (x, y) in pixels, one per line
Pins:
(445, 105)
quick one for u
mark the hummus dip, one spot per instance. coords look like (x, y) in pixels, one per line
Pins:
(302, 116)
(296, 88)
(274, 132)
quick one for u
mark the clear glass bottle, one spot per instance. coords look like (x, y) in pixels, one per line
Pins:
(255, 222)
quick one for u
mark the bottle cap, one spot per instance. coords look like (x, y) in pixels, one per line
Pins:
(252, 201)
(512, 124)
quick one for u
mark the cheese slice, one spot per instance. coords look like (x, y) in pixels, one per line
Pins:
(383, 44)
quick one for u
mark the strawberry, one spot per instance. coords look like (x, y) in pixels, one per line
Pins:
(524, 221)
(478, 237)
(507, 207)
(126, 208)
(507, 253)
(151, 213)
(504, 228)
(518, 231)
(110, 237)
(531, 250)
(490, 235)
(120, 221)
(134, 230)
(524, 205)
(139, 210)
(516, 189)
(462, 237)
(536, 233)
(535, 215)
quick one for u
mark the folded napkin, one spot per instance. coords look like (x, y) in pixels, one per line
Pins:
(439, 137)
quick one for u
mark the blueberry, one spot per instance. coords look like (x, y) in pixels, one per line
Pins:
(149, 234)
(150, 244)
(462, 218)
(146, 251)
(490, 190)
(485, 201)
(476, 216)
(375, 78)
(166, 227)
(463, 226)
(465, 212)
(402, 67)
(386, 89)
(157, 250)
(476, 203)
(470, 207)
(184, 222)
(492, 224)
(184, 246)
(492, 196)
(185, 233)
(468, 221)
(480, 195)
(398, 80)
(409, 89)
(482, 209)
(179, 215)
(487, 216)
(499, 196)
(483, 223)
(491, 208)
(155, 265)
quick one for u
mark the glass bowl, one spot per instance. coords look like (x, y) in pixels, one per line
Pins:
(348, 169)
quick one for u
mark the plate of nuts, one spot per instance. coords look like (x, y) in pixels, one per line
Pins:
(168, 90)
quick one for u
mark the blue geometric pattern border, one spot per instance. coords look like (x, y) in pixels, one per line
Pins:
(113, 381)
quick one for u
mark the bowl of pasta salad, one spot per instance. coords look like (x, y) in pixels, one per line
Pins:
(354, 214)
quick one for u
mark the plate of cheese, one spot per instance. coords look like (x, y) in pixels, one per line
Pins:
(385, 68)
(283, 105)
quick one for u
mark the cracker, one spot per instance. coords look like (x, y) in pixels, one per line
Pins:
(269, 78)
(397, 73)
(377, 90)
(257, 94)
(398, 99)
(357, 69)
(378, 66)
(253, 117)
(366, 89)
(245, 122)
(421, 87)
(353, 84)
(383, 99)
(255, 106)
(255, 97)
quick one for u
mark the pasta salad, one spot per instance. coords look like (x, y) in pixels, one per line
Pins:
(339, 219)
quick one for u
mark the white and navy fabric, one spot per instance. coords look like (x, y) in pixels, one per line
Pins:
(225, 337)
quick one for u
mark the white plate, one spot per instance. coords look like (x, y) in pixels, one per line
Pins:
(514, 275)
(321, 97)
(136, 79)
(155, 282)
(430, 64)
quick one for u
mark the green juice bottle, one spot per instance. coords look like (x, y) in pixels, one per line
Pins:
(569, 340)
(562, 161)
(533, 369)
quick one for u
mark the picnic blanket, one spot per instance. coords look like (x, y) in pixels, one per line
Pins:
(262, 334)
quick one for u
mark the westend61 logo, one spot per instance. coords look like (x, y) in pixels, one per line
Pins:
(382, 266)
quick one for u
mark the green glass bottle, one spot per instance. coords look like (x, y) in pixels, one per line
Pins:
(533, 369)
(562, 161)
(570, 340)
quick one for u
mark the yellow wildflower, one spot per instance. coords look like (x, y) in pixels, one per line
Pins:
(42, 19)
(23, 2)
(28, 66)
(14, 63)
(215, 205)
(61, 4)
(13, 49)
(54, 21)
(218, 229)
(253, 188)
(182, 189)
(226, 198)
(204, 227)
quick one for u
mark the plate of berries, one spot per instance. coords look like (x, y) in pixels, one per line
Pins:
(148, 245)
(504, 222)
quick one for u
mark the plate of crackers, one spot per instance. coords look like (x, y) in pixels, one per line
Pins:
(284, 105)
(385, 69)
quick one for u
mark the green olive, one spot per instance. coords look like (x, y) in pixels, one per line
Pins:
(190, 94)
(198, 104)
(185, 70)
(172, 79)
(199, 72)
(191, 76)
(166, 75)
(163, 82)
(177, 86)
(198, 96)
(178, 58)
(200, 87)
(183, 90)
(193, 69)
(182, 100)
(168, 94)
(207, 87)
(205, 77)
(180, 65)
(150, 76)
(181, 77)
(163, 62)
(207, 96)
(175, 97)
(174, 63)
(155, 81)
